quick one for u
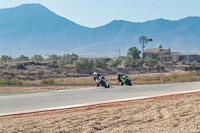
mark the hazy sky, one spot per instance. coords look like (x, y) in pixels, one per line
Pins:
(93, 13)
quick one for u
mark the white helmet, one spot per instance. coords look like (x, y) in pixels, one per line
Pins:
(95, 74)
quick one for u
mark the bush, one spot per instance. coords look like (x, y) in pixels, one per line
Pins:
(100, 63)
(130, 62)
(157, 67)
(23, 58)
(53, 65)
(11, 82)
(4, 82)
(15, 82)
(37, 58)
(47, 81)
(83, 63)
(114, 63)
(151, 61)
(20, 66)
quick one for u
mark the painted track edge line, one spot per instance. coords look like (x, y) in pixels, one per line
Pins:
(92, 104)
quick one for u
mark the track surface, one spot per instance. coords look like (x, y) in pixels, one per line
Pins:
(17, 103)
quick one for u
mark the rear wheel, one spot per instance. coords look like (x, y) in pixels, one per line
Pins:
(108, 86)
(103, 83)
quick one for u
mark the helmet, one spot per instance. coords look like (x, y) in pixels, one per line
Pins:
(95, 74)
(119, 73)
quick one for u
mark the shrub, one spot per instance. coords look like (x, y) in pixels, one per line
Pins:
(20, 66)
(83, 63)
(37, 58)
(114, 63)
(157, 67)
(4, 82)
(23, 58)
(47, 81)
(53, 65)
(15, 82)
(131, 62)
(151, 61)
(99, 63)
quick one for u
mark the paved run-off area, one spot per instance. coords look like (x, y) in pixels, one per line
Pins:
(17, 103)
(170, 114)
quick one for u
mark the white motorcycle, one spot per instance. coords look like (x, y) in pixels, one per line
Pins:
(103, 82)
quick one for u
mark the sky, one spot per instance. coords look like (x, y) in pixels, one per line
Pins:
(94, 13)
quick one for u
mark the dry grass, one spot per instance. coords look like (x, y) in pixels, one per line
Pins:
(156, 78)
(165, 78)
(169, 114)
(174, 77)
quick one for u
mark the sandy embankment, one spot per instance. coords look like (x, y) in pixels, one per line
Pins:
(179, 113)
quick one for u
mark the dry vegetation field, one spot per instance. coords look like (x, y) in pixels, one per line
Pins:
(78, 82)
(170, 114)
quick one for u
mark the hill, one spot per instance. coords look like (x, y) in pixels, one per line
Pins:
(33, 29)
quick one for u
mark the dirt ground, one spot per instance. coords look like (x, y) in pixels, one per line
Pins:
(170, 114)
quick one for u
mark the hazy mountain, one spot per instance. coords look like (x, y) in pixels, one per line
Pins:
(33, 29)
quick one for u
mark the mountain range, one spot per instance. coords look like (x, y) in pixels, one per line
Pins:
(33, 29)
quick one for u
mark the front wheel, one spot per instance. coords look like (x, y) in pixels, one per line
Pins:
(128, 82)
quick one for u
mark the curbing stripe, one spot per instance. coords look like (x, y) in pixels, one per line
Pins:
(92, 104)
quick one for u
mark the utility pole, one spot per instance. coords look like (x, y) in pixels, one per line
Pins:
(10, 54)
(119, 54)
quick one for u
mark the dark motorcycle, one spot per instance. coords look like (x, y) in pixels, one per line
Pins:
(126, 80)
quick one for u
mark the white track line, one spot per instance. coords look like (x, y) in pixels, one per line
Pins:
(92, 104)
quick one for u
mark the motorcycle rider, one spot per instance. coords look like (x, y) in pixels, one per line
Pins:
(120, 77)
(96, 77)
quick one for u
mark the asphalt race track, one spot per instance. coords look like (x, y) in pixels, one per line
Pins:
(34, 101)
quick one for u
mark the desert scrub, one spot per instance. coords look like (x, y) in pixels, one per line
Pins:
(162, 79)
(75, 81)
(47, 81)
(14, 82)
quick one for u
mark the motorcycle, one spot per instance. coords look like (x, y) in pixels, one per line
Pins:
(103, 82)
(126, 80)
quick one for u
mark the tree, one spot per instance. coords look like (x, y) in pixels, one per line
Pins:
(160, 47)
(134, 53)
(37, 58)
(5, 58)
(151, 61)
(100, 63)
(53, 58)
(83, 63)
(23, 58)
(131, 62)
(114, 62)
(69, 59)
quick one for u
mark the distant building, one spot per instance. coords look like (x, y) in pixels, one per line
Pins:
(156, 52)
(193, 57)
(167, 55)
(177, 56)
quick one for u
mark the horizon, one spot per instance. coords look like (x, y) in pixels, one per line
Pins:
(107, 22)
(98, 13)
(123, 35)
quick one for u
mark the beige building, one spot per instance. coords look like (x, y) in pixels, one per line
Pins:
(156, 52)
(167, 55)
